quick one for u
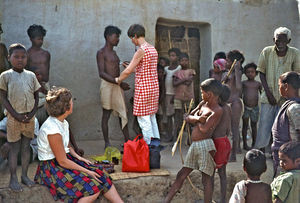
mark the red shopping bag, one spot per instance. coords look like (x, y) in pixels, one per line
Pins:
(136, 155)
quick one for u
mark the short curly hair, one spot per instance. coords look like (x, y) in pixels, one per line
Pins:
(58, 101)
(236, 54)
(36, 31)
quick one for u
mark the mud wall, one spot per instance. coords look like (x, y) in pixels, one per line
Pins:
(75, 33)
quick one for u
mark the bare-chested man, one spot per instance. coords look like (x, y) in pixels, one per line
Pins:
(111, 94)
(235, 85)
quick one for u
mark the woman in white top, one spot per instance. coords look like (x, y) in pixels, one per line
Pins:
(68, 176)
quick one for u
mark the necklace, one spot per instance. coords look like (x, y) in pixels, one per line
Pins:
(254, 181)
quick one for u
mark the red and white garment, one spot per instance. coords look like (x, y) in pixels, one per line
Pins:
(146, 94)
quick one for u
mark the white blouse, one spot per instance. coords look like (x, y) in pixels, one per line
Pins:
(52, 126)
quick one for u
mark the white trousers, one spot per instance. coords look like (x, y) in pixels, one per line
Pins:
(149, 127)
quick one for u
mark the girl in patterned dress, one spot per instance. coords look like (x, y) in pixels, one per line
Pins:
(69, 177)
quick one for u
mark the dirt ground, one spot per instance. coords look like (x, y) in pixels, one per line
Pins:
(142, 189)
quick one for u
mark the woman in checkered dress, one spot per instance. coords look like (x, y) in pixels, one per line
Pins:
(146, 93)
(68, 176)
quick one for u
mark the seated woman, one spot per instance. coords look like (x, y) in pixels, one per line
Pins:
(68, 176)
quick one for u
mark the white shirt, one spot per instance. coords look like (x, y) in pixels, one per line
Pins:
(52, 126)
(169, 79)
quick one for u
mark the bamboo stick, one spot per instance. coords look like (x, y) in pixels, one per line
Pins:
(230, 71)
(182, 129)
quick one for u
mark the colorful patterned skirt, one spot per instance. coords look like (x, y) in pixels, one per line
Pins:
(70, 185)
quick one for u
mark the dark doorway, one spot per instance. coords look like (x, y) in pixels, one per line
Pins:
(184, 36)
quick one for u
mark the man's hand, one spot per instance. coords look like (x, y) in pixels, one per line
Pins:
(125, 64)
(237, 65)
(79, 151)
(29, 116)
(271, 98)
(124, 86)
(189, 80)
(21, 117)
(43, 90)
(185, 115)
(225, 79)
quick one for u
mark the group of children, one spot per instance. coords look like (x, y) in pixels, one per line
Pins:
(23, 88)
(176, 90)
(210, 150)
(237, 99)
(19, 89)
(284, 188)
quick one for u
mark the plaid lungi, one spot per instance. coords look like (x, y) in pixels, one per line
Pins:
(199, 158)
(70, 185)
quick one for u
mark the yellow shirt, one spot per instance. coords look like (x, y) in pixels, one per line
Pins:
(273, 66)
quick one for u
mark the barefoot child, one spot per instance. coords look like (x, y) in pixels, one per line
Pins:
(202, 145)
(174, 54)
(111, 94)
(285, 188)
(39, 59)
(286, 126)
(184, 89)
(222, 143)
(251, 89)
(235, 85)
(19, 94)
(252, 190)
